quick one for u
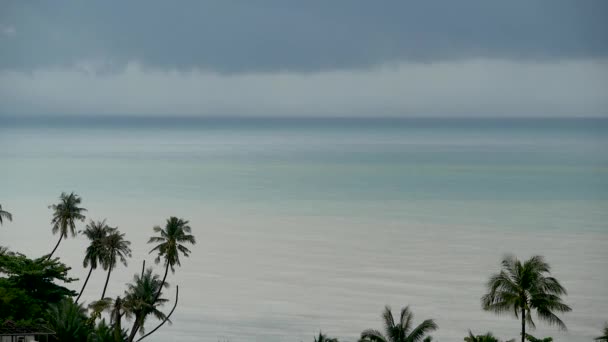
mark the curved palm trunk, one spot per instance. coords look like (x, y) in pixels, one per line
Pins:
(134, 330)
(106, 285)
(85, 283)
(54, 249)
(160, 289)
(523, 324)
(166, 318)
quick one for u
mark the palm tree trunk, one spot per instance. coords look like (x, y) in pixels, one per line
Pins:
(54, 249)
(85, 283)
(523, 324)
(160, 289)
(134, 329)
(106, 285)
(118, 327)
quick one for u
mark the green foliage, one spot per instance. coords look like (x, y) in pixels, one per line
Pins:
(65, 215)
(30, 285)
(603, 338)
(105, 333)
(5, 215)
(488, 337)
(534, 339)
(114, 248)
(69, 321)
(140, 299)
(323, 338)
(170, 242)
(400, 331)
(523, 287)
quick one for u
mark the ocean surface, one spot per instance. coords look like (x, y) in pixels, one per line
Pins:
(316, 224)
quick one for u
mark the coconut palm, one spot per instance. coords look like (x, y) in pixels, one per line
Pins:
(171, 242)
(117, 311)
(115, 248)
(401, 331)
(5, 215)
(323, 338)
(603, 338)
(96, 232)
(68, 320)
(140, 300)
(65, 215)
(521, 288)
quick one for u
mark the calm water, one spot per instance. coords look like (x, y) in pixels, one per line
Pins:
(308, 224)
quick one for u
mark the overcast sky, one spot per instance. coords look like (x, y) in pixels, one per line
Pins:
(297, 58)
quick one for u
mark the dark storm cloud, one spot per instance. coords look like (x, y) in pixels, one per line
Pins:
(268, 36)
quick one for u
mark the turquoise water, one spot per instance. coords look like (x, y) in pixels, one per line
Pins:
(261, 193)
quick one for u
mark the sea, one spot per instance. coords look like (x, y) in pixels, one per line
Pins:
(315, 224)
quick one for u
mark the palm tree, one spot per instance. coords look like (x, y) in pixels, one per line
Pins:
(401, 331)
(65, 215)
(96, 232)
(117, 311)
(521, 288)
(488, 337)
(5, 215)
(171, 243)
(603, 338)
(115, 248)
(68, 320)
(324, 338)
(140, 300)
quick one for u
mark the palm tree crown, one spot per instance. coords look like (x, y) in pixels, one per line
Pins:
(521, 288)
(95, 253)
(170, 242)
(65, 215)
(140, 299)
(488, 337)
(115, 248)
(401, 331)
(323, 338)
(5, 215)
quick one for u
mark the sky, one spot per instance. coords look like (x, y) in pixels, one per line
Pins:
(304, 58)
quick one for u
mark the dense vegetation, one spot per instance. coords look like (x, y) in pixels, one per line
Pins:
(31, 293)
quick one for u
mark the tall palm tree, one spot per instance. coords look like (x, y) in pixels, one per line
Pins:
(65, 215)
(115, 248)
(171, 242)
(521, 288)
(96, 232)
(140, 299)
(401, 331)
(5, 215)
(324, 338)
(603, 338)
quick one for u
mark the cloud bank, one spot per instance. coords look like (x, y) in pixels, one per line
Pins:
(479, 87)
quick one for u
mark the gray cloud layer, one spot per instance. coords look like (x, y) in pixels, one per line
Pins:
(478, 87)
(296, 58)
(246, 36)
